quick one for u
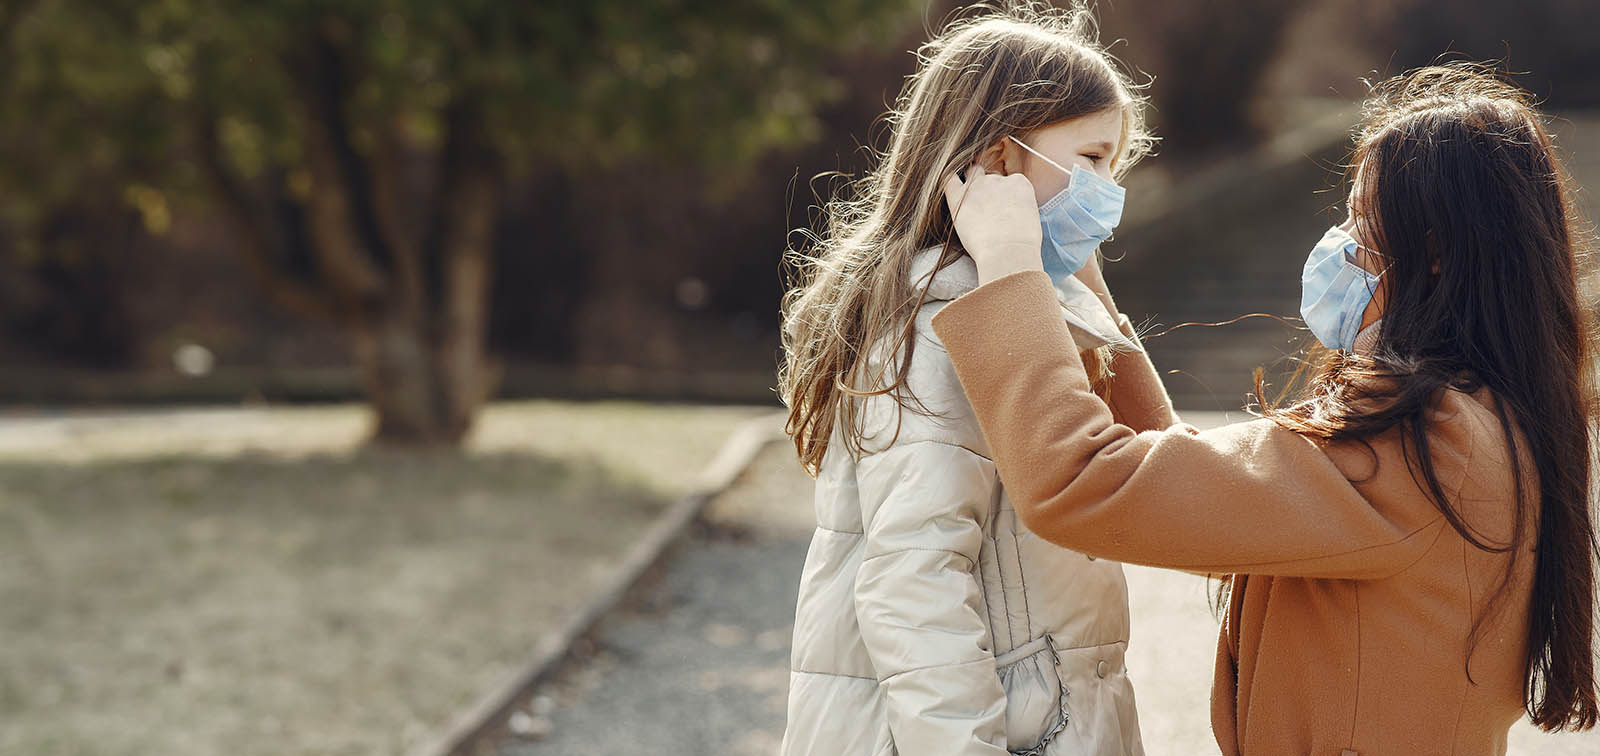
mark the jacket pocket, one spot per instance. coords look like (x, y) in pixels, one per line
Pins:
(1036, 700)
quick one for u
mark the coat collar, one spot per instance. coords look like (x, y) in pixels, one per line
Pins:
(1086, 317)
(1367, 340)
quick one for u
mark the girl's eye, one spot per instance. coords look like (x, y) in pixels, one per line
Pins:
(1094, 158)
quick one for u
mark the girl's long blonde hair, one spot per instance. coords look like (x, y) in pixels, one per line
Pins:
(984, 77)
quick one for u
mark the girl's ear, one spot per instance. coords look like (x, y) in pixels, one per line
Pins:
(1003, 157)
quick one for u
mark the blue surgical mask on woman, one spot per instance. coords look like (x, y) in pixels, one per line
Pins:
(1335, 290)
(1077, 219)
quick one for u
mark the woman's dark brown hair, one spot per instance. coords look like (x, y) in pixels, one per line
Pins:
(1465, 200)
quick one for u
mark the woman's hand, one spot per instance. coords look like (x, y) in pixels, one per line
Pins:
(997, 219)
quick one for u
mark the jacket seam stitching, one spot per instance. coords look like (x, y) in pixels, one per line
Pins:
(1439, 524)
(946, 665)
(836, 530)
(1461, 704)
(914, 442)
(935, 666)
(1355, 709)
(909, 549)
(1005, 600)
(1257, 567)
(1472, 451)
(1022, 582)
(833, 674)
(982, 571)
(1086, 646)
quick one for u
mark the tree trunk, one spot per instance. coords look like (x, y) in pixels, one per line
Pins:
(427, 372)
(397, 369)
(405, 273)
(423, 356)
(463, 374)
(426, 381)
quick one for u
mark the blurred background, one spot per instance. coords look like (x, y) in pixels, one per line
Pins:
(348, 344)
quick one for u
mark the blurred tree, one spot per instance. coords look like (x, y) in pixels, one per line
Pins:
(75, 255)
(360, 149)
(1549, 43)
(1208, 58)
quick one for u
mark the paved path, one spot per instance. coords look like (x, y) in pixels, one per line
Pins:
(703, 670)
(698, 664)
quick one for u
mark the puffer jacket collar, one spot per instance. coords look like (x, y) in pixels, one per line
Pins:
(1086, 317)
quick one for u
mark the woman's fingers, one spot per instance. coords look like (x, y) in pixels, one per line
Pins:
(955, 190)
(996, 219)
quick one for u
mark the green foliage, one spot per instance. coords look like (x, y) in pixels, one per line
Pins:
(100, 94)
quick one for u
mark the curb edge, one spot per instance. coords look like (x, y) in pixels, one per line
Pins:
(736, 454)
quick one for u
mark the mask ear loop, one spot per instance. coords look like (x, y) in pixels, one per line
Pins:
(1379, 256)
(1058, 167)
(1040, 155)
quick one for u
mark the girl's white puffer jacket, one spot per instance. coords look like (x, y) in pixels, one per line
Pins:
(930, 621)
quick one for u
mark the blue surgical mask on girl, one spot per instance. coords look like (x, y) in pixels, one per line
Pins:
(1077, 219)
(1335, 291)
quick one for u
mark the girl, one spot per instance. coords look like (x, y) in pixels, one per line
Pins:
(1411, 544)
(929, 621)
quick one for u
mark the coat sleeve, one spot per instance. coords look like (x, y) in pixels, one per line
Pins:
(1249, 498)
(918, 599)
(1138, 399)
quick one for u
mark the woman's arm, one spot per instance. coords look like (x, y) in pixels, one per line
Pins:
(1247, 498)
(1138, 399)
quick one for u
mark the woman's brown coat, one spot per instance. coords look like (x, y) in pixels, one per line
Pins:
(1354, 602)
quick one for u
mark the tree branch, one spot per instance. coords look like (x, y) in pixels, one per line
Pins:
(340, 251)
(259, 238)
(464, 159)
(326, 81)
(397, 221)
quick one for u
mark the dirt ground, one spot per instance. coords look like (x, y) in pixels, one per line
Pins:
(246, 581)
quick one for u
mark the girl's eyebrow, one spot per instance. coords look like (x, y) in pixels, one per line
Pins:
(1101, 146)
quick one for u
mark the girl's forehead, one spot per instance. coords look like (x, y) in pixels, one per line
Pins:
(1103, 127)
(1098, 123)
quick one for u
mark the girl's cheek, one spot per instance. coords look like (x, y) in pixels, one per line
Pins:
(1045, 187)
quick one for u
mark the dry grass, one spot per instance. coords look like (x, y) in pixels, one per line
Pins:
(248, 582)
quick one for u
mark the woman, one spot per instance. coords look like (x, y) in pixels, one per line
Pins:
(929, 621)
(1411, 545)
